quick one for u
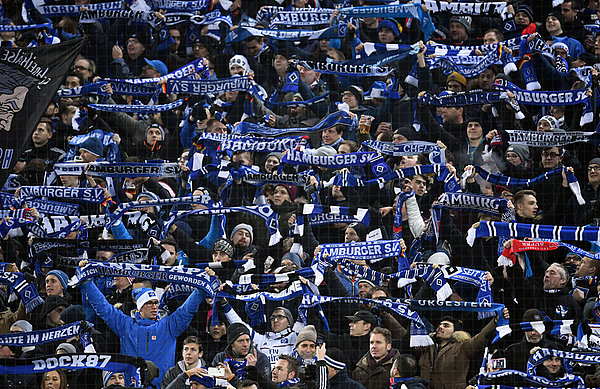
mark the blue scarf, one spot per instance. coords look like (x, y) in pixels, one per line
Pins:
(28, 293)
(235, 143)
(242, 33)
(196, 66)
(368, 251)
(331, 120)
(96, 88)
(138, 108)
(125, 88)
(24, 27)
(346, 70)
(108, 143)
(46, 207)
(88, 195)
(331, 162)
(558, 327)
(436, 155)
(52, 10)
(203, 87)
(538, 380)
(33, 338)
(542, 354)
(549, 139)
(397, 228)
(92, 16)
(133, 169)
(474, 65)
(181, 5)
(499, 9)
(297, 17)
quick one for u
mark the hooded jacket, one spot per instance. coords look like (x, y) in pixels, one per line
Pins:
(150, 339)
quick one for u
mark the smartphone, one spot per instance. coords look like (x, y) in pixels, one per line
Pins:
(216, 371)
(499, 363)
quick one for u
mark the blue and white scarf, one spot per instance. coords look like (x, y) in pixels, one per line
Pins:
(196, 66)
(33, 338)
(569, 379)
(236, 143)
(126, 88)
(132, 169)
(558, 327)
(367, 251)
(96, 88)
(469, 8)
(549, 139)
(544, 353)
(53, 10)
(28, 293)
(338, 161)
(181, 5)
(339, 117)
(298, 17)
(89, 195)
(242, 33)
(436, 154)
(204, 87)
(138, 108)
(45, 207)
(341, 69)
(92, 16)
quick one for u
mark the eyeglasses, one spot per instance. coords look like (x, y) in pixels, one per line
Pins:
(153, 302)
(278, 317)
(593, 168)
(550, 155)
(133, 41)
(80, 68)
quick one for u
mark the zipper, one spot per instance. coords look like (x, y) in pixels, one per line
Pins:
(147, 340)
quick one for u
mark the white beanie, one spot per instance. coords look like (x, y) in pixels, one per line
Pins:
(143, 295)
(239, 60)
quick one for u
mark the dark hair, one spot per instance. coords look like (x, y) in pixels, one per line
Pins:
(193, 339)
(520, 195)
(406, 365)
(248, 383)
(61, 374)
(75, 74)
(170, 241)
(293, 364)
(350, 143)
(47, 122)
(498, 33)
(387, 334)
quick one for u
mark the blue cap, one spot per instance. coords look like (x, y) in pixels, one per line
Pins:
(93, 145)
(209, 382)
(391, 25)
(158, 65)
(61, 275)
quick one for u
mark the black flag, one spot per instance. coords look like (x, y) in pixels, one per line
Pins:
(29, 79)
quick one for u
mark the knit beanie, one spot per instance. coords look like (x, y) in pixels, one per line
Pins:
(243, 226)
(236, 330)
(307, 333)
(62, 277)
(143, 295)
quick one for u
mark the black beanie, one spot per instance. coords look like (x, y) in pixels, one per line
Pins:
(236, 330)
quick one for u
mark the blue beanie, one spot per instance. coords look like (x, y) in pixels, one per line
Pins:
(208, 382)
(62, 277)
(143, 295)
(93, 145)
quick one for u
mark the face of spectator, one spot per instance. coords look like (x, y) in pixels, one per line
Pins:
(568, 12)
(200, 51)
(241, 238)
(577, 63)
(419, 185)
(220, 256)
(522, 19)
(408, 161)
(399, 138)
(149, 310)
(271, 164)
(528, 208)
(544, 126)
(279, 321)
(82, 66)
(344, 149)
(490, 37)
(486, 79)
(280, 372)
(149, 72)
(172, 254)
(359, 328)
(245, 158)
(87, 156)
(53, 286)
(241, 346)
(308, 76)
(72, 82)
(553, 25)
(551, 158)
(336, 192)
(176, 35)
(6, 352)
(513, 158)
(474, 131)
(444, 330)
(349, 98)
(379, 348)
(378, 295)
(53, 317)
(364, 289)
(330, 136)
(191, 354)
(281, 195)
(135, 48)
(217, 128)
(69, 181)
(217, 331)
(553, 278)
(594, 173)
(307, 349)
(454, 86)
(561, 52)
(253, 47)
(451, 115)
(583, 267)
(593, 4)
(52, 380)
(553, 364)
(153, 135)
(386, 35)
(533, 336)
(350, 235)
(458, 32)
(116, 379)
(41, 135)
(280, 63)
(120, 282)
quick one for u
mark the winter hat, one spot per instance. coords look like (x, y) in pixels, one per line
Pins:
(357, 92)
(589, 59)
(274, 154)
(456, 76)
(533, 314)
(376, 91)
(554, 126)
(560, 45)
(325, 151)
(307, 333)
(294, 258)
(68, 347)
(557, 15)
(62, 277)
(140, 34)
(457, 323)
(392, 25)
(143, 295)
(334, 357)
(287, 314)
(527, 10)
(521, 150)
(106, 376)
(243, 226)
(361, 230)
(291, 189)
(92, 145)
(464, 20)
(156, 125)
(223, 245)
(158, 65)
(595, 161)
(239, 60)
(72, 314)
(236, 330)
(206, 381)
(24, 325)
(51, 303)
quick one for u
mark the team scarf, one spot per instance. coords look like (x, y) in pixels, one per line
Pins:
(126, 88)
(518, 246)
(542, 354)
(324, 218)
(88, 195)
(242, 33)
(181, 5)
(547, 139)
(540, 381)
(24, 27)
(397, 228)
(340, 69)
(476, 97)
(204, 87)
(213, 17)
(297, 17)
(28, 293)
(557, 327)
(550, 98)
(132, 256)
(112, 362)
(395, 11)
(472, 66)
(466, 8)
(435, 48)
(499, 179)
(138, 108)
(45, 244)
(339, 117)
(236, 143)
(108, 144)
(171, 274)
(537, 231)
(45, 207)
(53, 10)
(59, 232)
(33, 338)
(442, 173)
(96, 88)
(300, 103)
(259, 179)
(196, 66)
(338, 161)
(579, 251)
(381, 51)
(367, 251)
(436, 154)
(132, 169)
(538, 45)
(92, 16)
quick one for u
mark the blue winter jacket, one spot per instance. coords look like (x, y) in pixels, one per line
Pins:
(150, 339)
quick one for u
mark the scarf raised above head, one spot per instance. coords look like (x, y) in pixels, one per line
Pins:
(89, 195)
(298, 17)
(133, 169)
(341, 69)
(52, 10)
(572, 356)
(96, 88)
(333, 119)
(568, 380)
(28, 293)
(92, 16)
(138, 108)
(33, 338)
(469, 8)
(243, 33)
(196, 66)
(203, 87)
(436, 154)
(45, 207)
(555, 327)
(548, 139)
(236, 143)
(367, 251)
(328, 161)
